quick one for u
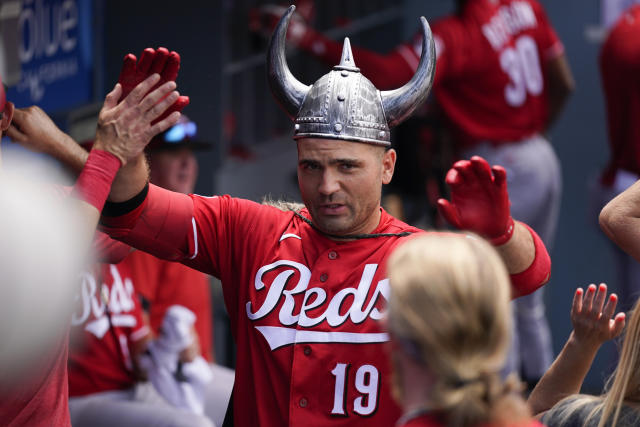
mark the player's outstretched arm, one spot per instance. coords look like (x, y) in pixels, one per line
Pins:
(480, 203)
(33, 129)
(386, 71)
(124, 129)
(594, 322)
(620, 220)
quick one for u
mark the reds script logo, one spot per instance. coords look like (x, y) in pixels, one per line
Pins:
(359, 311)
(91, 300)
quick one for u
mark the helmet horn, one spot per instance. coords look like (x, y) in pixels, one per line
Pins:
(399, 103)
(287, 90)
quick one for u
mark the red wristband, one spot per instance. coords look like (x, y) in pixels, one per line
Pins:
(504, 238)
(537, 274)
(94, 183)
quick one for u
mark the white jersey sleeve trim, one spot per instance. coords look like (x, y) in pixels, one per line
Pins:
(195, 239)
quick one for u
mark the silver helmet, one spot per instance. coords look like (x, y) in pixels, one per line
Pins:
(344, 104)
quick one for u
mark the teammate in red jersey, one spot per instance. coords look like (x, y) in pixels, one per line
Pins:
(502, 79)
(126, 122)
(173, 165)
(619, 68)
(108, 337)
(305, 290)
(447, 369)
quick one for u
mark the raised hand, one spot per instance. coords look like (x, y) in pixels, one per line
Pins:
(160, 61)
(479, 199)
(125, 127)
(34, 129)
(593, 320)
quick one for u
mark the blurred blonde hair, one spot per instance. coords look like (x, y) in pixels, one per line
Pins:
(622, 387)
(449, 308)
(283, 205)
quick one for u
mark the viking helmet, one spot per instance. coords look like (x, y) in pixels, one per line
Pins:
(344, 104)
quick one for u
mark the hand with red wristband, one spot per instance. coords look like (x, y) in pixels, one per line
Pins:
(159, 61)
(479, 200)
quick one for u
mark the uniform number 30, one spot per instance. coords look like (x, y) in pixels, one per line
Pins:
(522, 65)
(367, 382)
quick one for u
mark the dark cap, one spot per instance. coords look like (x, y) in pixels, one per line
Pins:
(182, 134)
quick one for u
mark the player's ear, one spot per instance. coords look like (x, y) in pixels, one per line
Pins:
(388, 165)
(7, 116)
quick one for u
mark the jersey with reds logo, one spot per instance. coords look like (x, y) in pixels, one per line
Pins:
(304, 309)
(107, 319)
(490, 72)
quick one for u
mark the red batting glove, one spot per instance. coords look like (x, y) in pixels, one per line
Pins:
(159, 61)
(479, 200)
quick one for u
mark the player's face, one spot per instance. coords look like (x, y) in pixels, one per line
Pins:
(341, 183)
(175, 170)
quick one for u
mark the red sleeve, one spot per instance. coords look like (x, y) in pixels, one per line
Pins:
(109, 251)
(538, 272)
(201, 232)
(162, 225)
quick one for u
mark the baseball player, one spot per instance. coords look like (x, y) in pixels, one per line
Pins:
(619, 67)
(502, 79)
(305, 289)
(173, 165)
(109, 335)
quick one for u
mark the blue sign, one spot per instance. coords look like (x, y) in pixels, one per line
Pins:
(55, 53)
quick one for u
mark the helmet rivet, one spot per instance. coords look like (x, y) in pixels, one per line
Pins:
(341, 97)
(380, 134)
(344, 73)
(297, 127)
(338, 127)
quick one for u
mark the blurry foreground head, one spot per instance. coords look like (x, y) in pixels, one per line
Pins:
(40, 259)
(449, 324)
(171, 155)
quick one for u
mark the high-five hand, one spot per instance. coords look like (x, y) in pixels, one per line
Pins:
(126, 127)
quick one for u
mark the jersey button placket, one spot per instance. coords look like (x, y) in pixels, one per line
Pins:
(324, 277)
(332, 255)
(303, 402)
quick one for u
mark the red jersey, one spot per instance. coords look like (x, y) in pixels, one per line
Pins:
(304, 309)
(164, 283)
(41, 400)
(490, 69)
(107, 320)
(619, 67)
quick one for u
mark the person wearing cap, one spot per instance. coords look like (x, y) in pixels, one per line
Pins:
(162, 284)
(305, 289)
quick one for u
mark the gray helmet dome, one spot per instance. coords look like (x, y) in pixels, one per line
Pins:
(343, 104)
